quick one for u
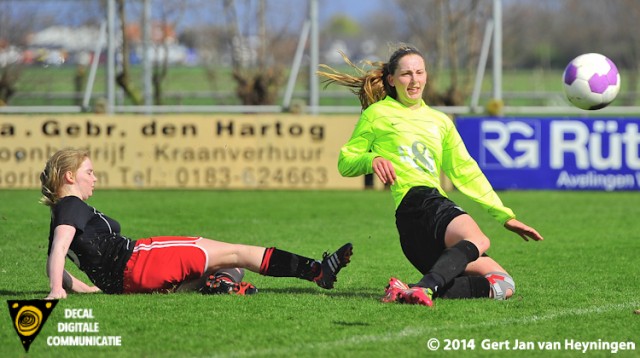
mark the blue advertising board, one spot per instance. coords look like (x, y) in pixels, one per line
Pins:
(555, 153)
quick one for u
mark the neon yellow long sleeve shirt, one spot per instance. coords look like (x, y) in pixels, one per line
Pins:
(419, 143)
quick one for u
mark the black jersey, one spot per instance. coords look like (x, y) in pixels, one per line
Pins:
(97, 248)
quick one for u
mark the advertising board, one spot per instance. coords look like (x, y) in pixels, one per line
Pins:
(183, 151)
(555, 153)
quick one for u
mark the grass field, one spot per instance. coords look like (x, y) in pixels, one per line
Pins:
(579, 284)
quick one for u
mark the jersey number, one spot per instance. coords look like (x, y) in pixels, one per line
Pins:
(418, 156)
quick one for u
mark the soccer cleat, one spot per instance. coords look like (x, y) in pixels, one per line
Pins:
(417, 295)
(216, 285)
(332, 264)
(398, 291)
(394, 291)
(244, 288)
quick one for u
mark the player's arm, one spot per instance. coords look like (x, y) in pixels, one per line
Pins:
(62, 237)
(60, 280)
(355, 157)
(70, 282)
(466, 175)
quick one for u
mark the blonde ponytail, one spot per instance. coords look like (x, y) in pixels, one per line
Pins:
(367, 85)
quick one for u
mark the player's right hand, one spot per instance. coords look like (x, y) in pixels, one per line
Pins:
(384, 170)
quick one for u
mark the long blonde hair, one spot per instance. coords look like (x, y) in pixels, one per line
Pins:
(52, 177)
(369, 85)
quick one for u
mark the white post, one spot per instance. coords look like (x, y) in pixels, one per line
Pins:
(94, 66)
(497, 50)
(146, 58)
(295, 68)
(482, 64)
(313, 78)
(111, 56)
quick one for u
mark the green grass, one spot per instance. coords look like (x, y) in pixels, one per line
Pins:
(580, 283)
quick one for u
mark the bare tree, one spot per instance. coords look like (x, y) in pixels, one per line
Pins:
(8, 79)
(258, 76)
(15, 26)
(124, 77)
(628, 12)
(171, 14)
(450, 33)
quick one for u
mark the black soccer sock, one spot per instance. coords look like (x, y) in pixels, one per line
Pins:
(450, 265)
(234, 274)
(466, 287)
(280, 263)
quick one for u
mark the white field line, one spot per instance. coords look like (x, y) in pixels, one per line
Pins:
(423, 330)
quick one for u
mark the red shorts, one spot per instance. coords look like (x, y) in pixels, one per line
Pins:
(160, 264)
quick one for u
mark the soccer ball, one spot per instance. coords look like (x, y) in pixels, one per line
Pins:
(591, 81)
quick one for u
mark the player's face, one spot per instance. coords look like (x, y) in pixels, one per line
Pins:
(85, 179)
(409, 80)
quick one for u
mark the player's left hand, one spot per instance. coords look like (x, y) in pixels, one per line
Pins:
(526, 232)
(56, 294)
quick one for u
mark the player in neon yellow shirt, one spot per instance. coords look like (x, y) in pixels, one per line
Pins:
(406, 144)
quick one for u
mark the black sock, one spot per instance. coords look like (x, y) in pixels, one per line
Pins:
(466, 287)
(450, 265)
(279, 263)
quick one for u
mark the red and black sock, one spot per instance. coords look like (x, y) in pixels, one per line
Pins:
(280, 263)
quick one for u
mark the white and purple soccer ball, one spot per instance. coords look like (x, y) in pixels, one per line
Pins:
(591, 81)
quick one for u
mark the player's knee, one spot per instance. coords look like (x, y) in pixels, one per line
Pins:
(502, 285)
(482, 243)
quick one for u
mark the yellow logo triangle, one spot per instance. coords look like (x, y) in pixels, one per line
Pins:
(28, 317)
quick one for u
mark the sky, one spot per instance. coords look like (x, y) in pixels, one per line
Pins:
(64, 9)
(358, 9)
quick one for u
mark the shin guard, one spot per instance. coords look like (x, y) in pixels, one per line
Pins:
(500, 283)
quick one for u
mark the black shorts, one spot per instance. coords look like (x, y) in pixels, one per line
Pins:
(422, 219)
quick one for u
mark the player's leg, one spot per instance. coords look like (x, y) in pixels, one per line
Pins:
(441, 241)
(223, 255)
(275, 262)
(464, 228)
(228, 281)
(225, 281)
(421, 220)
(482, 278)
(466, 286)
(502, 286)
(464, 243)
